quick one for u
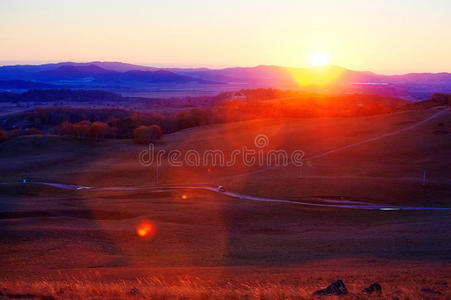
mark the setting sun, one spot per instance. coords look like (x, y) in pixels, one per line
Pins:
(319, 59)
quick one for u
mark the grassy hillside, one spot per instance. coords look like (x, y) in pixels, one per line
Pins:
(381, 166)
(208, 243)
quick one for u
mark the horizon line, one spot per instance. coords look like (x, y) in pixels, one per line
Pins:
(209, 67)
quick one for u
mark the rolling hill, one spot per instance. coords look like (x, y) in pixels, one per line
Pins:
(211, 242)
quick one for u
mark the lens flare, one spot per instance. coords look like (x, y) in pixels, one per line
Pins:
(144, 228)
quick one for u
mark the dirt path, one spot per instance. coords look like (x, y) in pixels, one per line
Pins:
(379, 137)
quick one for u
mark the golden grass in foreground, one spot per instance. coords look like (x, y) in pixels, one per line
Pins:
(406, 284)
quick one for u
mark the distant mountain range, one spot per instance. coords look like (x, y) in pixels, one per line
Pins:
(93, 73)
(115, 76)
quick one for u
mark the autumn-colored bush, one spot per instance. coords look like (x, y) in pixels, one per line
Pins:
(98, 130)
(67, 128)
(155, 132)
(112, 132)
(147, 134)
(81, 129)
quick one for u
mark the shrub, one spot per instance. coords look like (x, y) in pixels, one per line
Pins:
(98, 130)
(66, 128)
(146, 134)
(81, 129)
(155, 133)
(112, 132)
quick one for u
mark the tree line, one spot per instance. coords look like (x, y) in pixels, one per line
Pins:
(108, 123)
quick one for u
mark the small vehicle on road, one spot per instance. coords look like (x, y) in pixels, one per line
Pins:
(221, 189)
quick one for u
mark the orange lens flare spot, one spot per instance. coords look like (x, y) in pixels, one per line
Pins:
(144, 229)
(142, 232)
(184, 197)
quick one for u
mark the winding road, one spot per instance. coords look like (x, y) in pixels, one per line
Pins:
(332, 203)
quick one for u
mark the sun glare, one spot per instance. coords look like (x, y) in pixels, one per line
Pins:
(321, 74)
(319, 59)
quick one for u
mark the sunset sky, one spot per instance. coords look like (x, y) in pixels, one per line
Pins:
(389, 37)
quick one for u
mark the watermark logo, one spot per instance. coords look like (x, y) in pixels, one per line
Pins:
(248, 156)
(261, 141)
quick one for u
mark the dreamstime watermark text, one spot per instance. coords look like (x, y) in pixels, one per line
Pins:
(248, 156)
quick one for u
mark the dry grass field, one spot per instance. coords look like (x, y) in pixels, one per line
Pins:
(405, 281)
